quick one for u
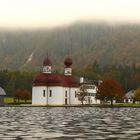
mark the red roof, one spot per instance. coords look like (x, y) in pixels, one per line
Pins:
(55, 80)
(68, 61)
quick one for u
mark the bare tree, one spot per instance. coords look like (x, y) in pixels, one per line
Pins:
(82, 93)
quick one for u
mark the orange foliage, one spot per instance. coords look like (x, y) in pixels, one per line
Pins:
(23, 94)
(109, 90)
(137, 94)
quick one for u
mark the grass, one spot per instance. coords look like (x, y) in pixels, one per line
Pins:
(10, 100)
(126, 105)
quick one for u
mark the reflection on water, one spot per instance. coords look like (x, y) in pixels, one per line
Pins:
(40, 123)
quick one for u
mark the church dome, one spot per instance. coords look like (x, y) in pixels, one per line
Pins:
(47, 62)
(48, 79)
(41, 78)
(54, 80)
(68, 61)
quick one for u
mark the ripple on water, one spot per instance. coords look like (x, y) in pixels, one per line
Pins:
(69, 123)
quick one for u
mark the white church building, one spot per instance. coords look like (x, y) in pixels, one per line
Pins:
(57, 89)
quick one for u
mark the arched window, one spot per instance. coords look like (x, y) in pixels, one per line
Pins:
(50, 93)
(75, 94)
(43, 93)
(66, 93)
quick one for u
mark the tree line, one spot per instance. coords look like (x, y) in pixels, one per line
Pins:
(127, 76)
(11, 81)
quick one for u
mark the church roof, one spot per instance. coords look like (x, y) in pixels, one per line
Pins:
(130, 94)
(54, 79)
(2, 92)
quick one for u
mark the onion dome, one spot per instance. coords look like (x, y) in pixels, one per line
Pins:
(68, 62)
(47, 62)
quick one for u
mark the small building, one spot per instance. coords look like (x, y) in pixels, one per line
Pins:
(2, 95)
(91, 89)
(129, 97)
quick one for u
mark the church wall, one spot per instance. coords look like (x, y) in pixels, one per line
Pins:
(38, 97)
(74, 98)
(66, 95)
(71, 98)
(57, 97)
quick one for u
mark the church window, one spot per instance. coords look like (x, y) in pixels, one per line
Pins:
(50, 93)
(43, 93)
(75, 94)
(66, 93)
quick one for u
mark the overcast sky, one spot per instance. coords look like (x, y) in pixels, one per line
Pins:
(49, 13)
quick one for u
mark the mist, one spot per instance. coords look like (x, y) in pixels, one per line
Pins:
(33, 14)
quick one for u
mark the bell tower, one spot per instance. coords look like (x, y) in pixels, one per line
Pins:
(47, 66)
(68, 69)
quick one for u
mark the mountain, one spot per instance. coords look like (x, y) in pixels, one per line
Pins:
(84, 42)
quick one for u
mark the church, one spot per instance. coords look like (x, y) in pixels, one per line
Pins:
(55, 89)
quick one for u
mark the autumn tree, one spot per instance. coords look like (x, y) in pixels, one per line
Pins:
(22, 94)
(109, 90)
(26, 95)
(137, 95)
(82, 93)
(18, 94)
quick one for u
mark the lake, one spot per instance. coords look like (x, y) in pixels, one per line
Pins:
(69, 123)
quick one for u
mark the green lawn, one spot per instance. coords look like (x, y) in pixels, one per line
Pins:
(8, 100)
(126, 104)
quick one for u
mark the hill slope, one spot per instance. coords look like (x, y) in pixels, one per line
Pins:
(86, 42)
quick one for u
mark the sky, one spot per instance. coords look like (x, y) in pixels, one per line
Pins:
(50, 13)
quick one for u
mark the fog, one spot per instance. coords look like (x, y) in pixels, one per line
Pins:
(49, 13)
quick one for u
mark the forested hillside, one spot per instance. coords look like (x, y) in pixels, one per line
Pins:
(85, 42)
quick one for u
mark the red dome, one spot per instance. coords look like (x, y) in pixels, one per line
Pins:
(47, 78)
(41, 78)
(55, 80)
(47, 62)
(68, 61)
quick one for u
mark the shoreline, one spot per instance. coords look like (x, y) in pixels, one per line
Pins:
(100, 106)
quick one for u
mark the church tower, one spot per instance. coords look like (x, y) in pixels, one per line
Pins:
(47, 66)
(68, 69)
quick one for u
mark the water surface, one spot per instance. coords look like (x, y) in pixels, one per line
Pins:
(68, 123)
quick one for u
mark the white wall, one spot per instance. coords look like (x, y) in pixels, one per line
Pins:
(92, 99)
(74, 100)
(39, 99)
(37, 95)
(58, 95)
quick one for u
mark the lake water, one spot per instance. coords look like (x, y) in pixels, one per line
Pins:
(69, 123)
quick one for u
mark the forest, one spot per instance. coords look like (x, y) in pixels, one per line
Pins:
(105, 43)
(127, 76)
(99, 51)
